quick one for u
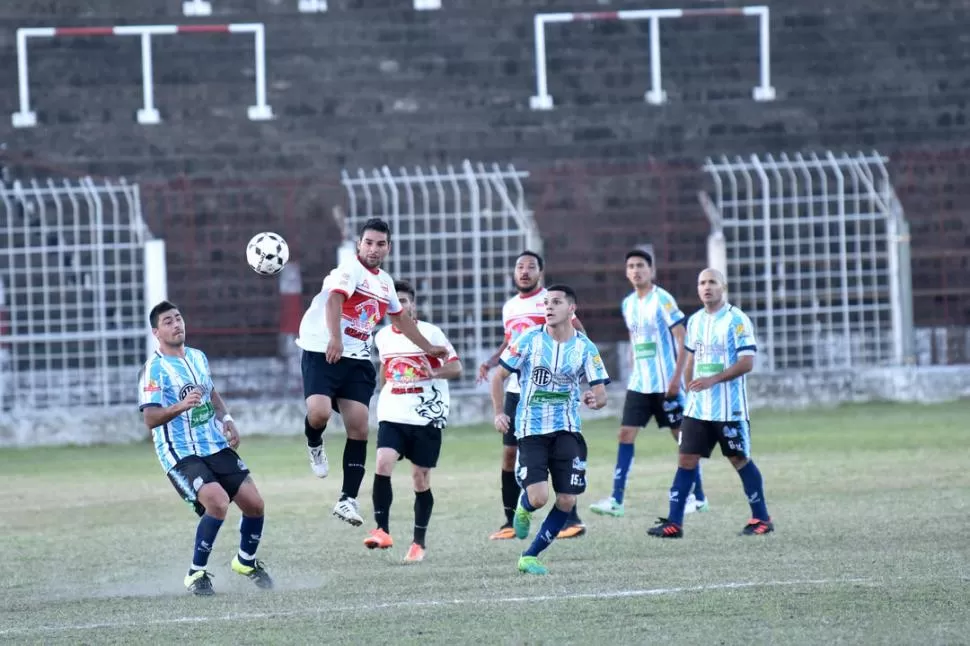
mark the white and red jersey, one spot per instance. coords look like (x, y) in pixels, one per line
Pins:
(370, 295)
(521, 312)
(410, 395)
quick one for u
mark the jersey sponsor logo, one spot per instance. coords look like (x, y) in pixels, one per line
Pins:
(597, 361)
(368, 315)
(201, 413)
(578, 464)
(406, 369)
(541, 376)
(152, 387)
(407, 390)
(668, 306)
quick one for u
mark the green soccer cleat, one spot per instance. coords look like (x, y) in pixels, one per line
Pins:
(702, 507)
(531, 565)
(608, 507)
(521, 522)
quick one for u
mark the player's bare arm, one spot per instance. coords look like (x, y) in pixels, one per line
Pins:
(409, 328)
(229, 428)
(744, 365)
(595, 397)
(502, 420)
(688, 365)
(491, 362)
(450, 370)
(674, 386)
(156, 416)
(335, 306)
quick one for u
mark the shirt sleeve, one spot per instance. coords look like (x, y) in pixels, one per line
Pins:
(744, 340)
(670, 311)
(689, 340)
(150, 385)
(393, 302)
(344, 278)
(513, 357)
(593, 365)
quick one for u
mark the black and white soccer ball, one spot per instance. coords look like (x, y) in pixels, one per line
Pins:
(267, 253)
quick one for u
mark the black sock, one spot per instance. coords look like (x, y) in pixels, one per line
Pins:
(314, 436)
(355, 456)
(382, 497)
(573, 517)
(510, 494)
(423, 502)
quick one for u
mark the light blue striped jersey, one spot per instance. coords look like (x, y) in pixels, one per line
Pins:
(650, 321)
(166, 380)
(717, 341)
(549, 374)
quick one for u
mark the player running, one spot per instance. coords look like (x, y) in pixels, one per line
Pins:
(412, 410)
(656, 326)
(521, 312)
(338, 374)
(721, 346)
(180, 405)
(549, 362)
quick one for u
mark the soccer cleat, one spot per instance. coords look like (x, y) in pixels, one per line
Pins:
(572, 531)
(318, 461)
(255, 573)
(757, 527)
(531, 565)
(666, 529)
(199, 583)
(378, 538)
(521, 522)
(415, 554)
(348, 510)
(702, 506)
(690, 505)
(608, 507)
(504, 533)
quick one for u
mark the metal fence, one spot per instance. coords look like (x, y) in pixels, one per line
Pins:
(816, 251)
(455, 234)
(74, 283)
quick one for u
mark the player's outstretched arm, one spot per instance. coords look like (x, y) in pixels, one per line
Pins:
(156, 416)
(491, 362)
(410, 329)
(497, 391)
(450, 370)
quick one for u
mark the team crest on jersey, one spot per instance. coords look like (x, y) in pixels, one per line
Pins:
(541, 376)
(151, 386)
(406, 369)
(739, 329)
(187, 388)
(368, 314)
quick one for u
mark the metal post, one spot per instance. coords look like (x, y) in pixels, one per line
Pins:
(148, 114)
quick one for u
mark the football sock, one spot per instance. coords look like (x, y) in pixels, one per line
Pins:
(510, 494)
(250, 531)
(754, 489)
(624, 459)
(314, 436)
(355, 456)
(524, 501)
(551, 526)
(205, 537)
(573, 518)
(699, 486)
(382, 497)
(423, 502)
(679, 491)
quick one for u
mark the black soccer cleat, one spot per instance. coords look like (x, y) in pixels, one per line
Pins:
(666, 529)
(255, 573)
(199, 583)
(757, 527)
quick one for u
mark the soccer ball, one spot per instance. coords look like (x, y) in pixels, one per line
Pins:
(267, 252)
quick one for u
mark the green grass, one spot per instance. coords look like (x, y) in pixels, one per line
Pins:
(870, 502)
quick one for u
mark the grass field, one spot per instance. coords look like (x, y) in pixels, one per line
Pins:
(871, 505)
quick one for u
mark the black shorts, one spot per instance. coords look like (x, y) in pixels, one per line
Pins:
(698, 437)
(353, 379)
(189, 474)
(419, 444)
(561, 454)
(511, 404)
(638, 408)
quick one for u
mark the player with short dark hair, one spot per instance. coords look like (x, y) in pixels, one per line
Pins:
(721, 348)
(520, 313)
(412, 411)
(180, 405)
(656, 327)
(338, 375)
(549, 361)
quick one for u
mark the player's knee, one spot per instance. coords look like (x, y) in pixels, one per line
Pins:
(738, 462)
(215, 500)
(565, 502)
(688, 461)
(421, 477)
(508, 458)
(318, 412)
(628, 434)
(386, 459)
(252, 506)
(538, 497)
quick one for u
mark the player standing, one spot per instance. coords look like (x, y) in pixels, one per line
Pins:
(656, 326)
(180, 405)
(721, 346)
(412, 410)
(338, 374)
(521, 312)
(549, 362)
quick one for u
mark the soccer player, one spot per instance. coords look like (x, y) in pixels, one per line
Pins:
(338, 374)
(549, 362)
(412, 410)
(180, 405)
(521, 312)
(656, 327)
(721, 346)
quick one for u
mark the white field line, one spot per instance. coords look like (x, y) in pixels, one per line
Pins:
(256, 616)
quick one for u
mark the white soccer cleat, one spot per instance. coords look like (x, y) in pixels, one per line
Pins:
(348, 510)
(318, 461)
(691, 506)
